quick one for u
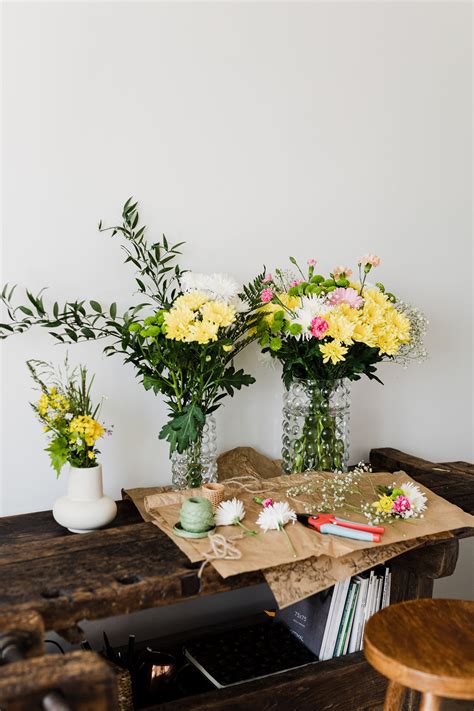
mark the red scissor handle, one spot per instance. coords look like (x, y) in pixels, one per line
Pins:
(319, 520)
(358, 526)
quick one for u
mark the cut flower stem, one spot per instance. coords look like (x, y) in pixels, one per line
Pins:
(248, 532)
(293, 549)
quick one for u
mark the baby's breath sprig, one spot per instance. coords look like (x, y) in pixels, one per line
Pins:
(333, 492)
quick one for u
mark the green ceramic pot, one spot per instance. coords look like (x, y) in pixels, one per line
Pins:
(196, 515)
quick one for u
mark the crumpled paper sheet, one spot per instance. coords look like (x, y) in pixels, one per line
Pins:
(322, 560)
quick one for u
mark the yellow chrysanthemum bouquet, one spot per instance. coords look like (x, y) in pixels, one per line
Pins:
(326, 331)
(187, 352)
(68, 417)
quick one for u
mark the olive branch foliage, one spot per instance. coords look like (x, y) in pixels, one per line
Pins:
(193, 378)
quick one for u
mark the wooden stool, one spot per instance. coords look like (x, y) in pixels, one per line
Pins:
(426, 645)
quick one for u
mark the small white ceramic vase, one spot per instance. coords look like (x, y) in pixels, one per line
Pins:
(85, 507)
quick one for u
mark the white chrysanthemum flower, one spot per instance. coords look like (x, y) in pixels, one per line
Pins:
(275, 517)
(217, 286)
(311, 306)
(229, 513)
(414, 495)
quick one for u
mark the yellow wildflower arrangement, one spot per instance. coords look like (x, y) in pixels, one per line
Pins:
(67, 414)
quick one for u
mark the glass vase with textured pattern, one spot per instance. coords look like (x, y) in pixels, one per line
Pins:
(197, 465)
(316, 416)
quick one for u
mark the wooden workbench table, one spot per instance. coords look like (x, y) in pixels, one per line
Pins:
(132, 566)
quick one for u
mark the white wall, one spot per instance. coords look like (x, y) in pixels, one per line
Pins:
(251, 131)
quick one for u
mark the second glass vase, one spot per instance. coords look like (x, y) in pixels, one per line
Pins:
(197, 465)
(316, 415)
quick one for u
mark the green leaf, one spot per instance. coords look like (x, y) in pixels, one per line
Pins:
(113, 311)
(235, 379)
(58, 451)
(183, 428)
(150, 382)
(72, 334)
(96, 306)
(88, 333)
(26, 310)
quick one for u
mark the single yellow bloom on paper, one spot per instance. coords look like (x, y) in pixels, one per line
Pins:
(384, 504)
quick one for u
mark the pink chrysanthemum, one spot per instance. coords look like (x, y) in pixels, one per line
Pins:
(347, 296)
(401, 504)
(266, 295)
(318, 327)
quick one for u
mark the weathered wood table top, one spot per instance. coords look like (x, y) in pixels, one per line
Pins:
(132, 565)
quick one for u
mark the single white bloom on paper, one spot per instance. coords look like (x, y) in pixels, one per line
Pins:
(414, 495)
(229, 512)
(275, 517)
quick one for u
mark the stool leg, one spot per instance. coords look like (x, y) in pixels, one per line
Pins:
(430, 702)
(393, 696)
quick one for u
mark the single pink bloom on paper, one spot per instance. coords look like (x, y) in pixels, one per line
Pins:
(296, 282)
(401, 504)
(347, 296)
(267, 279)
(267, 502)
(339, 271)
(371, 259)
(318, 327)
(266, 295)
(311, 262)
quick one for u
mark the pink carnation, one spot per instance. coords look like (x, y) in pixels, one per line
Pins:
(339, 271)
(347, 296)
(267, 279)
(266, 295)
(311, 262)
(401, 504)
(318, 327)
(371, 259)
(296, 282)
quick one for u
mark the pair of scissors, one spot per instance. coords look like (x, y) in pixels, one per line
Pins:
(329, 523)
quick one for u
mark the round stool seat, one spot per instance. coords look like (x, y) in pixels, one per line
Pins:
(426, 645)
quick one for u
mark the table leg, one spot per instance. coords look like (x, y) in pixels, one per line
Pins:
(430, 702)
(394, 696)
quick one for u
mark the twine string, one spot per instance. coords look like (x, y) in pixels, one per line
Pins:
(249, 483)
(221, 548)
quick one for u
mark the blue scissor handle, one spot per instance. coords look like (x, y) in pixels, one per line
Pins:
(346, 532)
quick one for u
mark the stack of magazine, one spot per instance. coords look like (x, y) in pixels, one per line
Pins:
(331, 623)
